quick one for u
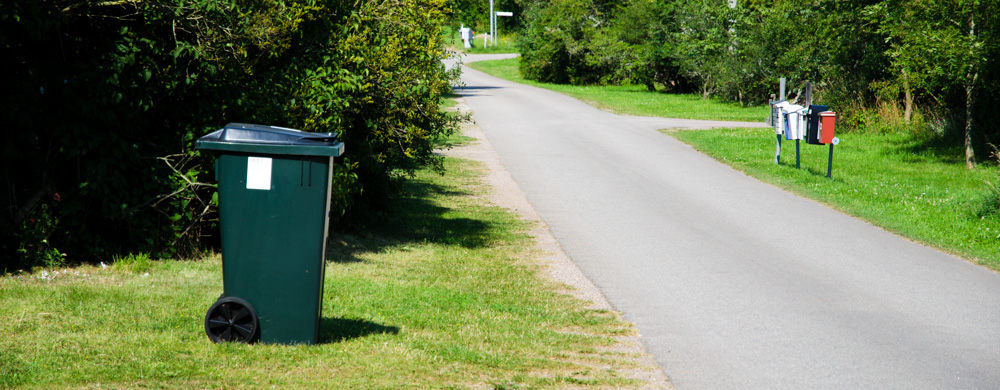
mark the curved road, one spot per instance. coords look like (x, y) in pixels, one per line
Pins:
(732, 283)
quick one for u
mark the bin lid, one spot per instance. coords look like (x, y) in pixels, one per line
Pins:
(816, 108)
(792, 108)
(262, 139)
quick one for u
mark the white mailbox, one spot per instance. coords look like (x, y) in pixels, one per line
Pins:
(466, 34)
(795, 122)
(779, 120)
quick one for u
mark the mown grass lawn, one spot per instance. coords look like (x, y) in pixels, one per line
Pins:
(908, 184)
(633, 100)
(444, 296)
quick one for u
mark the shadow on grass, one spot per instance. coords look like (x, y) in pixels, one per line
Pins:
(943, 149)
(335, 330)
(414, 218)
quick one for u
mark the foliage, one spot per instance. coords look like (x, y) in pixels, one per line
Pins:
(135, 263)
(628, 51)
(939, 47)
(105, 100)
(703, 43)
(554, 47)
(940, 58)
(475, 14)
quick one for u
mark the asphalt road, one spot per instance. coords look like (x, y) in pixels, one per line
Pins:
(735, 284)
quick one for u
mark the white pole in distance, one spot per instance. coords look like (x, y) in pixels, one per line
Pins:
(777, 149)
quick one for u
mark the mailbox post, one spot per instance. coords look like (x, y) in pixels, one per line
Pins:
(827, 127)
(813, 123)
(795, 126)
(778, 112)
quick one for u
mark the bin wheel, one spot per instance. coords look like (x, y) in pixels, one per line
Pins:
(232, 319)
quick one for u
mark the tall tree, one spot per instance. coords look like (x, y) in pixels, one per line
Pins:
(937, 47)
(703, 44)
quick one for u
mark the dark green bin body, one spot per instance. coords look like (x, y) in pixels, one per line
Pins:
(274, 239)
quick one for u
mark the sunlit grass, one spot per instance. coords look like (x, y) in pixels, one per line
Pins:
(445, 295)
(901, 182)
(634, 99)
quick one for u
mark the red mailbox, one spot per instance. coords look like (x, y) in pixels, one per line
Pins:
(827, 125)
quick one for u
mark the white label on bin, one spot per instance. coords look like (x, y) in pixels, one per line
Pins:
(258, 173)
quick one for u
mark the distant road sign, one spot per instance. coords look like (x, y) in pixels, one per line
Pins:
(499, 13)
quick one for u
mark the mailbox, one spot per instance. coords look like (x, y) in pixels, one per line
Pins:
(794, 122)
(773, 117)
(812, 127)
(778, 116)
(827, 126)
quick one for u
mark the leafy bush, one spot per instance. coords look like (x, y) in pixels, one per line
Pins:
(105, 100)
(556, 44)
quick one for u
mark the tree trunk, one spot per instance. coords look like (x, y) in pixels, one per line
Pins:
(908, 97)
(970, 154)
(970, 83)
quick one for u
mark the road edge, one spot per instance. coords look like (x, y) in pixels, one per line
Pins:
(558, 266)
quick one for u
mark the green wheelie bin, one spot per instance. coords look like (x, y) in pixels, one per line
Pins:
(274, 208)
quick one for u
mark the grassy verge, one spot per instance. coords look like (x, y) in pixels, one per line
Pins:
(634, 100)
(446, 296)
(901, 182)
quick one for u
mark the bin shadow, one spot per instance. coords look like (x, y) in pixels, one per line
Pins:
(414, 218)
(475, 90)
(335, 330)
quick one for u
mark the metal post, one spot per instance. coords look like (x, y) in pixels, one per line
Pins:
(777, 151)
(829, 164)
(781, 89)
(802, 130)
(492, 18)
(797, 158)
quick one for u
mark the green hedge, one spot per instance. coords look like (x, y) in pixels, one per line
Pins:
(104, 100)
